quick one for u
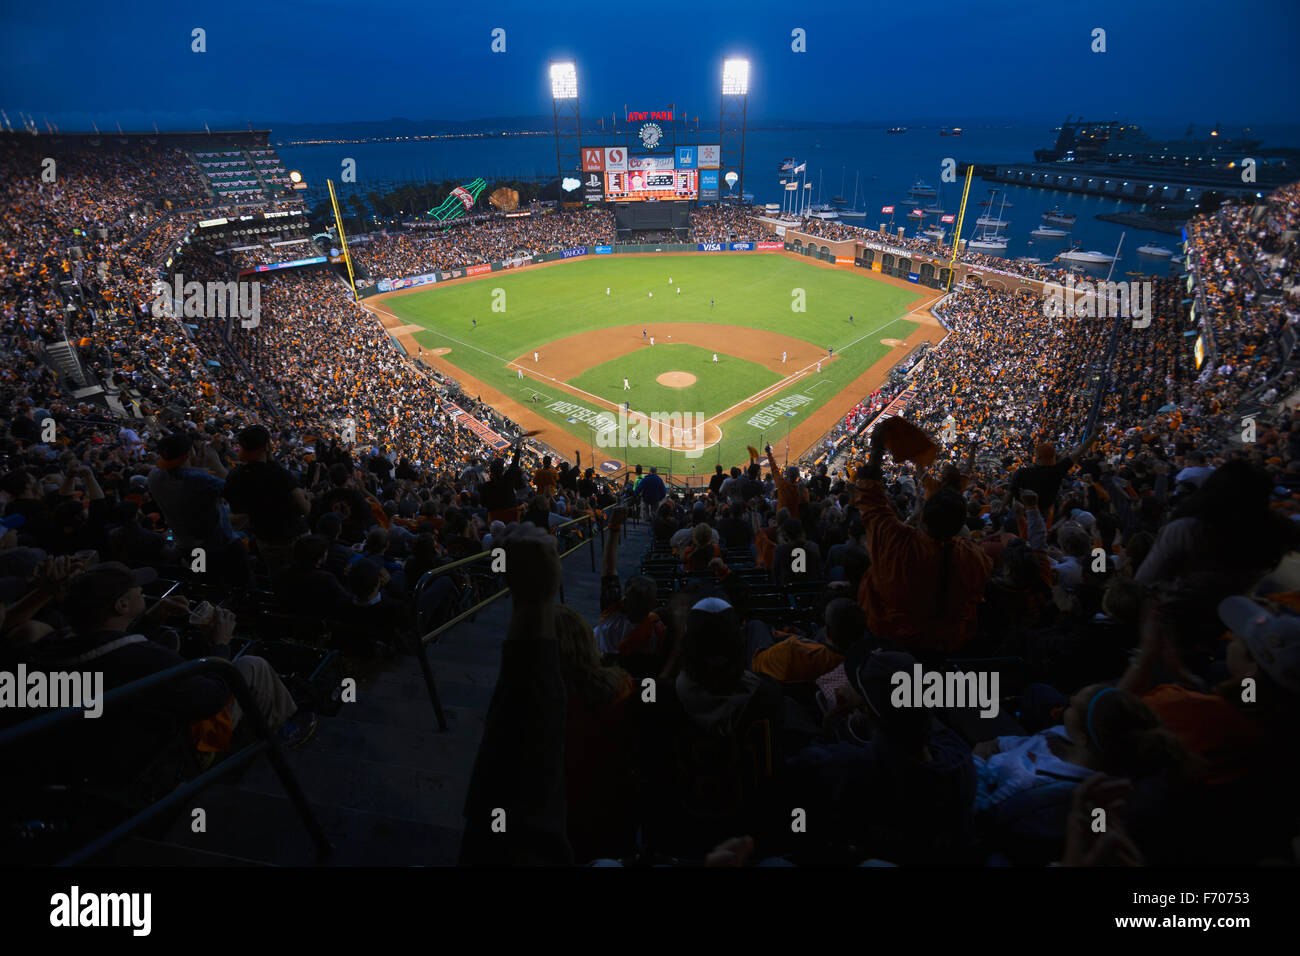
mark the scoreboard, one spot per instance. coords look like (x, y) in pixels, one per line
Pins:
(639, 185)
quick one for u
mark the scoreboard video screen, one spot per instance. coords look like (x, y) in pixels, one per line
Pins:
(635, 185)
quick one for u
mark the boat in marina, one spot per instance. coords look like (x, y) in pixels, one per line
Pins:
(988, 235)
(1047, 232)
(1090, 257)
(1155, 252)
(1059, 217)
(854, 213)
(822, 210)
(935, 208)
(922, 190)
(990, 220)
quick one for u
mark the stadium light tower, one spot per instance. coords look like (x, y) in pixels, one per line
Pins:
(568, 119)
(731, 125)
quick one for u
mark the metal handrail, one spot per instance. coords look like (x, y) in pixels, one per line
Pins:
(422, 651)
(266, 741)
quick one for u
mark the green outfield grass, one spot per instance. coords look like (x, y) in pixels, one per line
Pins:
(747, 290)
(716, 386)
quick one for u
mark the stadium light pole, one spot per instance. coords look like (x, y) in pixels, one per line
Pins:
(731, 123)
(568, 119)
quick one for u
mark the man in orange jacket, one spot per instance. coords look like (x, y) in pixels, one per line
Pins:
(923, 585)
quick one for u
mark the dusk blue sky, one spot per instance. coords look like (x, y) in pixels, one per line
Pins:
(321, 60)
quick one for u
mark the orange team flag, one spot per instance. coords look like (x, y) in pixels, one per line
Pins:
(753, 453)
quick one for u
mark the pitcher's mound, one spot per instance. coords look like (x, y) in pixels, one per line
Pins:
(676, 379)
(439, 351)
(892, 343)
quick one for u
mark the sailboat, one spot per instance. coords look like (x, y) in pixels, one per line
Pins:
(996, 222)
(854, 213)
(989, 238)
(838, 198)
(822, 210)
(935, 208)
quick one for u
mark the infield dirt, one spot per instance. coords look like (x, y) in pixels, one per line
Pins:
(567, 357)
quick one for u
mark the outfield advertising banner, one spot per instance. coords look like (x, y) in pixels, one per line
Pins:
(478, 270)
(770, 246)
(708, 184)
(914, 277)
(616, 159)
(313, 261)
(741, 246)
(603, 250)
(391, 285)
(658, 164)
(570, 253)
(710, 157)
(844, 260)
(709, 247)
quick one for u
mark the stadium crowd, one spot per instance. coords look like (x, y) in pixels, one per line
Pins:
(1123, 573)
(727, 223)
(491, 240)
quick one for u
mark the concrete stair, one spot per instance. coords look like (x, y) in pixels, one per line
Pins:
(386, 786)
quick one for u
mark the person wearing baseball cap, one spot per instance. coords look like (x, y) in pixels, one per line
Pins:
(715, 687)
(1238, 725)
(105, 606)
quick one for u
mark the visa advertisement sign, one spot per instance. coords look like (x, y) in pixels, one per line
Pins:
(710, 247)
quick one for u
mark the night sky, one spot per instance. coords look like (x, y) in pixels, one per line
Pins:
(324, 60)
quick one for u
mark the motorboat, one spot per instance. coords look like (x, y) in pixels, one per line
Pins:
(1091, 257)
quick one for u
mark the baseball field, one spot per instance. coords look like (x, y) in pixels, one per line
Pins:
(610, 360)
